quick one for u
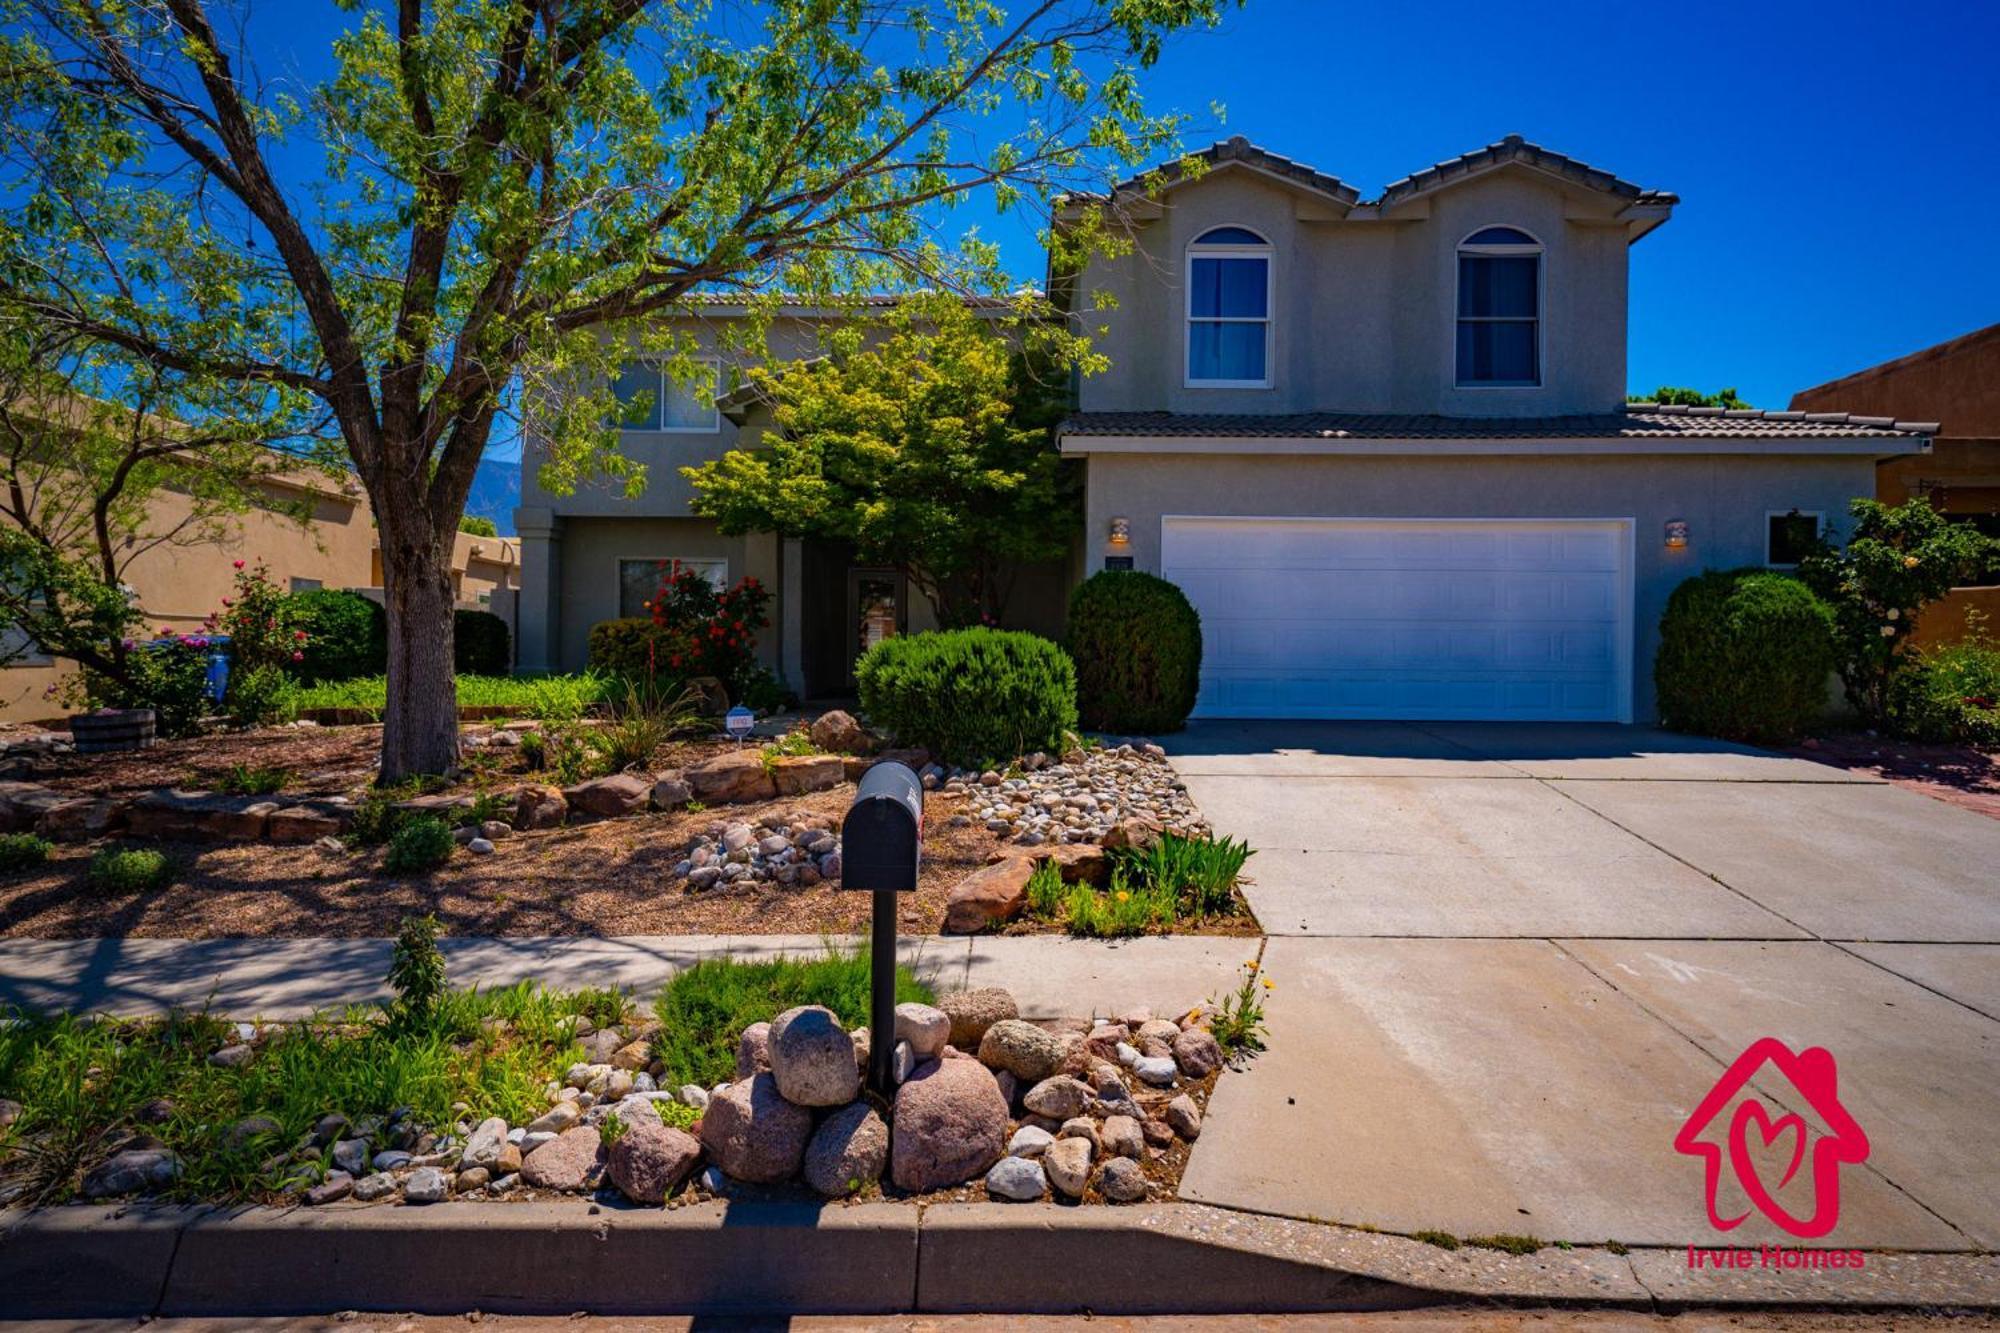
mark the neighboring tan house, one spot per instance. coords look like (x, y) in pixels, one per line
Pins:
(1957, 384)
(1383, 445)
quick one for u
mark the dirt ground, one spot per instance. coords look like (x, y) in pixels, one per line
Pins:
(1956, 774)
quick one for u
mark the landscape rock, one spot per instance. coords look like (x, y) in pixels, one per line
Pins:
(988, 895)
(250, 1128)
(925, 1027)
(1158, 1070)
(1083, 1127)
(1017, 1179)
(633, 1057)
(561, 1116)
(611, 797)
(538, 805)
(972, 1012)
(569, 1161)
(650, 1160)
(369, 1188)
(813, 1058)
(1121, 1181)
(470, 1179)
(232, 1057)
(426, 1184)
(847, 1151)
(337, 1186)
(1029, 1141)
(733, 776)
(1122, 1136)
(797, 774)
(351, 1156)
(1184, 1117)
(1022, 1049)
(753, 1133)
(753, 1049)
(671, 791)
(175, 813)
(951, 1125)
(81, 817)
(306, 823)
(10, 1111)
(1197, 1052)
(837, 732)
(1137, 833)
(483, 1145)
(1067, 1165)
(1060, 1098)
(133, 1171)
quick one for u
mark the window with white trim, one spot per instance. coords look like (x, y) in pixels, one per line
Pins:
(1229, 310)
(639, 579)
(1790, 536)
(651, 399)
(1499, 309)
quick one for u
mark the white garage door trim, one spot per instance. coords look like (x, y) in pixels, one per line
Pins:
(1261, 660)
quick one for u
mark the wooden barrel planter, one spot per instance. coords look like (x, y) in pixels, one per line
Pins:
(112, 729)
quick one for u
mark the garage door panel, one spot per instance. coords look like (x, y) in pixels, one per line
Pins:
(1405, 618)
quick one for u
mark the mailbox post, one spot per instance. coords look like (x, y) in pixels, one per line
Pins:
(880, 843)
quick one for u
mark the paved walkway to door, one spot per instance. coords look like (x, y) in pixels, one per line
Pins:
(1511, 959)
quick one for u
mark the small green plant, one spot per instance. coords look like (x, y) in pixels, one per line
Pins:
(572, 753)
(1045, 891)
(613, 1129)
(646, 718)
(1444, 1240)
(1950, 695)
(245, 780)
(487, 805)
(420, 846)
(263, 696)
(695, 807)
(1238, 1025)
(1200, 874)
(793, 744)
(416, 971)
(1506, 1243)
(534, 749)
(130, 870)
(22, 851)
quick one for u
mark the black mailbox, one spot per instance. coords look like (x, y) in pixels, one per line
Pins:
(884, 831)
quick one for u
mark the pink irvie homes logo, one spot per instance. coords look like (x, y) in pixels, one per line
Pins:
(1755, 1147)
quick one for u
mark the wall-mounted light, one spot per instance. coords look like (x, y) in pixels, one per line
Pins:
(1677, 534)
(1121, 532)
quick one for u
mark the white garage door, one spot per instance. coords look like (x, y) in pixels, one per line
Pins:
(1408, 618)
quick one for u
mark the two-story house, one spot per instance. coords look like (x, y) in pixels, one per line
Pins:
(1383, 445)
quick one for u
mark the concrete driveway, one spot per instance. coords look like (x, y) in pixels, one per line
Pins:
(1510, 961)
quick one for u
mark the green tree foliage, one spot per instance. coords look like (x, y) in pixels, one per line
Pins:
(1685, 397)
(1136, 642)
(478, 526)
(929, 449)
(1898, 560)
(510, 194)
(1745, 654)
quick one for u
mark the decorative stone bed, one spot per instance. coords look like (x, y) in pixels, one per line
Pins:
(987, 1105)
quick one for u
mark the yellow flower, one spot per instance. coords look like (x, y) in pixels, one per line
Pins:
(1252, 965)
(1909, 562)
(1121, 895)
(1270, 984)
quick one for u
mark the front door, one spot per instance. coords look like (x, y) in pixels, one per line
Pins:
(875, 611)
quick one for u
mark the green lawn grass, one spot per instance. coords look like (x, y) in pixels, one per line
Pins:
(550, 698)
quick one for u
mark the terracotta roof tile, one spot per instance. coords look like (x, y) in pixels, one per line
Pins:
(1514, 148)
(1638, 421)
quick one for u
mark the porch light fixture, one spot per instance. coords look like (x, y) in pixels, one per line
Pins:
(1677, 534)
(1121, 532)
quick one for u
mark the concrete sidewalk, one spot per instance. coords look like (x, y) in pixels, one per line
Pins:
(1051, 976)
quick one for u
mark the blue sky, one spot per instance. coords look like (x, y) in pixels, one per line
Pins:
(1837, 162)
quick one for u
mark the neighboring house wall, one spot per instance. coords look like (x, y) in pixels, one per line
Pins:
(1365, 311)
(1724, 499)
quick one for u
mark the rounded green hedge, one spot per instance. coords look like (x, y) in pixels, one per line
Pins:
(1745, 654)
(1136, 642)
(347, 635)
(970, 696)
(479, 644)
(623, 647)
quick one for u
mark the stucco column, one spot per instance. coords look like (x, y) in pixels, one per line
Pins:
(540, 617)
(791, 612)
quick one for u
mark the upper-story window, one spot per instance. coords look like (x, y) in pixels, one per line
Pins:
(649, 398)
(1229, 310)
(1499, 309)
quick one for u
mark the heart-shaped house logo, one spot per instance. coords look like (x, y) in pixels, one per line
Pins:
(1751, 1140)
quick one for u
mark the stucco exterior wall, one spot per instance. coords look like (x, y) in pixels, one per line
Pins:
(1724, 498)
(1364, 311)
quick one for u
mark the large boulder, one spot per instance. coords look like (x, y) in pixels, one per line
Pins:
(307, 823)
(671, 791)
(173, 813)
(1197, 1052)
(838, 733)
(735, 775)
(927, 1029)
(609, 798)
(569, 1161)
(650, 1160)
(973, 1011)
(847, 1151)
(80, 818)
(797, 774)
(813, 1057)
(538, 805)
(1022, 1049)
(988, 895)
(753, 1133)
(951, 1125)
(22, 805)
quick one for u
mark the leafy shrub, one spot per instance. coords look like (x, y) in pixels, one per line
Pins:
(262, 696)
(416, 972)
(479, 644)
(1950, 695)
(130, 869)
(1238, 1025)
(261, 621)
(169, 676)
(250, 780)
(1898, 560)
(971, 696)
(1198, 875)
(1744, 654)
(419, 846)
(627, 646)
(1136, 642)
(647, 718)
(1045, 891)
(347, 635)
(22, 851)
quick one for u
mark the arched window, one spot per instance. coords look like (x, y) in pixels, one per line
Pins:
(1499, 309)
(1229, 310)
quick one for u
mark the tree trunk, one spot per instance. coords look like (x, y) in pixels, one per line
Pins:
(420, 724)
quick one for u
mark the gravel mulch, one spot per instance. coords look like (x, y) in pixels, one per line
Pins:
(1955, 774)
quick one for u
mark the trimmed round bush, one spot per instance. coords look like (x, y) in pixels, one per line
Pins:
(347, 635)
(970, 696)
(1745, 654)
(1136, 642)
(22, 851)
(130, 869)
(479, 644)
(419, 846)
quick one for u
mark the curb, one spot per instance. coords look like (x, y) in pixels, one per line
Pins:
(766, 1258)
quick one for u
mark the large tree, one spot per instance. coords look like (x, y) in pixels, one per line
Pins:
(928, 448)
(509, 194)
